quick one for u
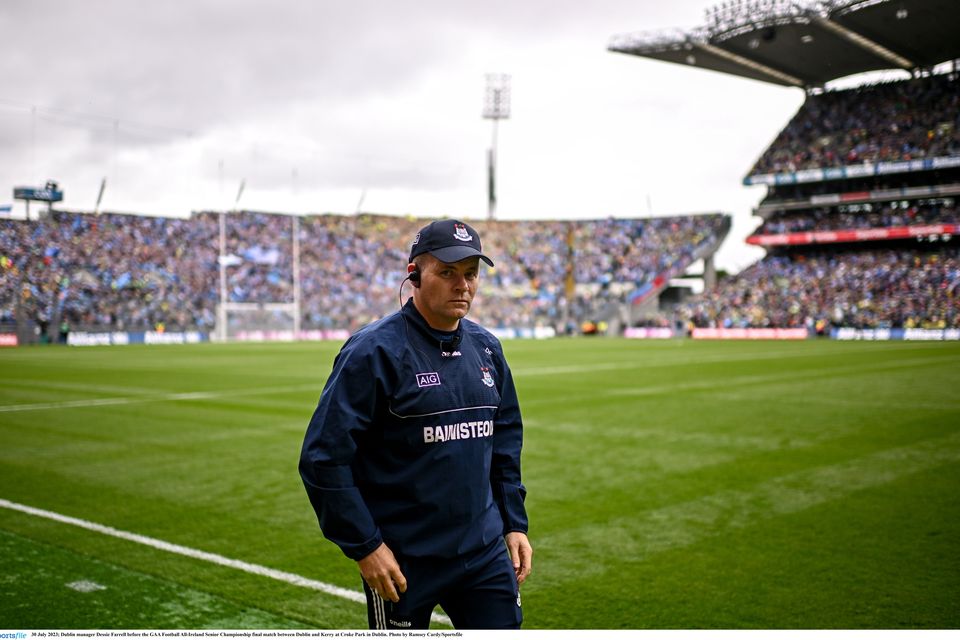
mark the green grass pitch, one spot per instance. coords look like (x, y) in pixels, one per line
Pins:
(673, 484)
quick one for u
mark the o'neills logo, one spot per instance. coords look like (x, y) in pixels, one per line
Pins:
(458, 431)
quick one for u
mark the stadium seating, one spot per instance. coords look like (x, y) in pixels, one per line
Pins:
(902, 120)
(867, 216)
(877, 251)
(127, 272)
(816, 289)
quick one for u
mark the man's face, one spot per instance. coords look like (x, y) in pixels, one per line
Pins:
(446, 291)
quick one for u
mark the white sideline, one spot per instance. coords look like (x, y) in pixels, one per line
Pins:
(255, 569)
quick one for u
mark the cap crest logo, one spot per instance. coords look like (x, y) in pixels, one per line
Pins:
(417, 239)
(460, 233)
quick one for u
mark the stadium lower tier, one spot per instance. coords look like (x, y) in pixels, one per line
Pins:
(819, 289)
(136, 273)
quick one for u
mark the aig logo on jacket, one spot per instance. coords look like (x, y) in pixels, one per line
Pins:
(431, 379)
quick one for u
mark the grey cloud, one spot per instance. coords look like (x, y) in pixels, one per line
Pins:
(178, 70)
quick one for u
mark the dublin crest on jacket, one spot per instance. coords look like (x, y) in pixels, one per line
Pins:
(487, 378)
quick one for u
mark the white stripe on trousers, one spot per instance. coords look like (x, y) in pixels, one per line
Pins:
(379, 611)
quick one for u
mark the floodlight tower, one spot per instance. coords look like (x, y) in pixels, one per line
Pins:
(496, 107)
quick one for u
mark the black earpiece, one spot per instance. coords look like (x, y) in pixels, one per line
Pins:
(414, 277)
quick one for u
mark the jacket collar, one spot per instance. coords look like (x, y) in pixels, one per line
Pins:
(410, 312)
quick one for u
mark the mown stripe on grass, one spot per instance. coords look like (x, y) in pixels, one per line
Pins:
(706, 439)
(165, 397)
(48, 587)
(787, 376)
(34, 384)
(647, 364)
(872, 403)
(712, 383)
(586, 549)
(521, 372)
(163, 545)
(671, 360)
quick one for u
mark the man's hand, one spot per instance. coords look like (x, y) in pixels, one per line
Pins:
(521, 553)
(382, 573)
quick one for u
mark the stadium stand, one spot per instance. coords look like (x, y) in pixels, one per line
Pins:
(117, 272)
(864, 216)
(860, 219)
(866, 255)
(817, 289)
(888, 122)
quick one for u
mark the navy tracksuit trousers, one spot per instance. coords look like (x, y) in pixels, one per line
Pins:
(477, 591)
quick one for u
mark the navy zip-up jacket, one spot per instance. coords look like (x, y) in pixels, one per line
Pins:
(416, 446)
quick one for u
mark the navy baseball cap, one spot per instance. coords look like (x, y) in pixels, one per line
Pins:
(448, 241)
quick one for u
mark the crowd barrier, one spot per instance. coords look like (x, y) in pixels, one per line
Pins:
(895, 334)
(657, 333)
(91, 339)
(854, 235)
(537, 333)
(853, 171)
(87, 339)
(749, 334)
(290, 336)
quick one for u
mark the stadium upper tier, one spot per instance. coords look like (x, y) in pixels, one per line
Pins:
(131, 272)
(894, 123)
(861, 222)
(807, 44)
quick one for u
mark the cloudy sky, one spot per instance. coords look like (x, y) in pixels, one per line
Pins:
(330, 106)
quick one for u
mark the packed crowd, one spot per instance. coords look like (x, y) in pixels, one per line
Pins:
(905, 120)
(905, 288)
(111, 270)
(133, 273)
(943, 211)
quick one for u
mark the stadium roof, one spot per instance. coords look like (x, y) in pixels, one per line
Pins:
(807, 45)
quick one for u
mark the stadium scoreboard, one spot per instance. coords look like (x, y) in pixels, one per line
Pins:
(49, 193)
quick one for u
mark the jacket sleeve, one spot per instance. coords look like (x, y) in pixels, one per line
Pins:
(345, 411)
(508, 491)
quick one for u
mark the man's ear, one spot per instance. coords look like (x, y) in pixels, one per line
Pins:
(413, 274)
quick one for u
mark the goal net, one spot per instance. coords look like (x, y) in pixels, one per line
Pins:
(256, 321)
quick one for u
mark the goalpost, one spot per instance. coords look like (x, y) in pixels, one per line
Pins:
(257, 321)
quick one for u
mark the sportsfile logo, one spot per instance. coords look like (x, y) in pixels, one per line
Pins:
(431, 379)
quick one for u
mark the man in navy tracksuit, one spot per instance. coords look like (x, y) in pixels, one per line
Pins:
(412, 457)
